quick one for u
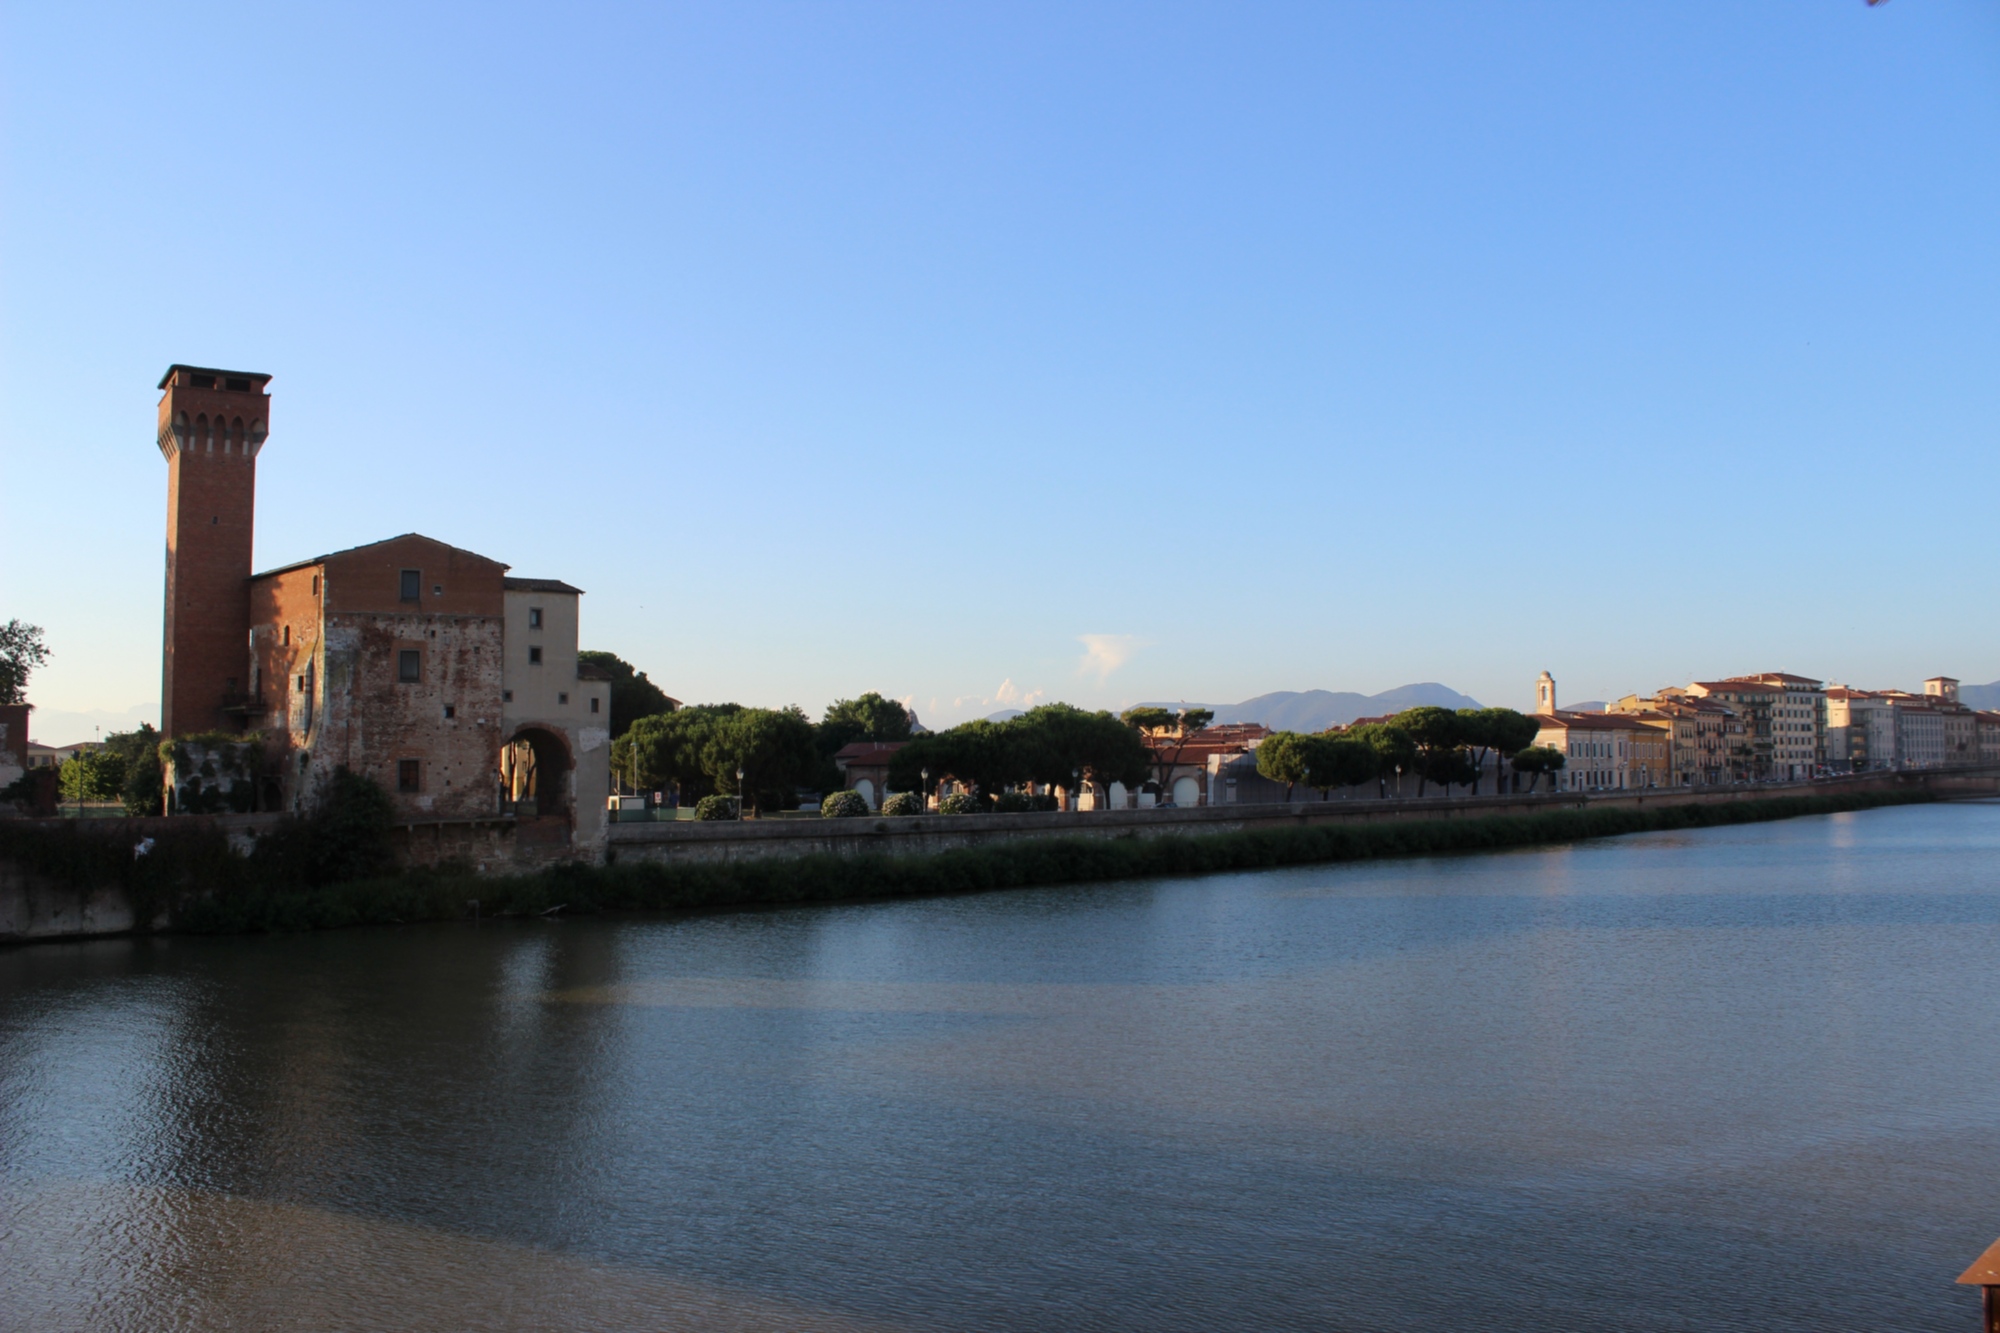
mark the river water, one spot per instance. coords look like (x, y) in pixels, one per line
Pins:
(1730, 1079)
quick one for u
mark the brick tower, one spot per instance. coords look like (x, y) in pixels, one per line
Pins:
(212, 424)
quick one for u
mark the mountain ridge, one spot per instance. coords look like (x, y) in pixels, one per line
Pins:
(1316, 710)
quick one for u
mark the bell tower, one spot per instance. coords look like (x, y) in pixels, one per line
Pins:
(212, 425)
(1545, 693)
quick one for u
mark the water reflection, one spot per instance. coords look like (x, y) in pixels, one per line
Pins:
(1360, 1097)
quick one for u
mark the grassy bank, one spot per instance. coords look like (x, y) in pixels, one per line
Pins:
(242, 905)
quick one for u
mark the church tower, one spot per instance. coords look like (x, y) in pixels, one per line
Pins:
(1545, 693)
(212, 425)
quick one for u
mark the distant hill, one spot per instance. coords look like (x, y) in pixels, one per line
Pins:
(1005, 715)
(1980, 696)
(1316, 710)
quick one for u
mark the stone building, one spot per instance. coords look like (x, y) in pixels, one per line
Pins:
(409, 661)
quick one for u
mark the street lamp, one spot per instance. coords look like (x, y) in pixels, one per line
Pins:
(1399, 782)
(1076, 789)
(739, 792)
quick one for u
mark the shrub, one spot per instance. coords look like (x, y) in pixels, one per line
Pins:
(715, 807)
(845, 805)
(959, 803)
(1013, 803)
(903, 804)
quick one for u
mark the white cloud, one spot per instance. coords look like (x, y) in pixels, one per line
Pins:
(1105, 653)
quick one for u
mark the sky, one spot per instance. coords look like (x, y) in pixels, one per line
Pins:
(990, 354)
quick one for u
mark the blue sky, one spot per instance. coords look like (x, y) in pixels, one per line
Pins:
(976, 354)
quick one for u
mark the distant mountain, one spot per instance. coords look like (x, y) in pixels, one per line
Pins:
(1316, 710)
(1980, 696)
(1005, 715)
(1587, 706)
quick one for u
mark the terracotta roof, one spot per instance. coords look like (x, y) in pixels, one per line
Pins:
(867, 753)
(538, 585)
(1783, 676)
(1736, 686)
(1985, 1270)
(350, 550)
(1590, 721)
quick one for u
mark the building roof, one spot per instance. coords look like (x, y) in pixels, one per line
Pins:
(591, 671)
(261, 378)
(1736, 686)
(866, 753)
(538, 585)
(1780, 676)
(1591, 721)
(350, 550)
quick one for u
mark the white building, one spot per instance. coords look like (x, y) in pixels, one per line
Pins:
(548, 697)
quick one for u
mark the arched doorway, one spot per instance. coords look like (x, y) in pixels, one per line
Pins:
(867, 790)
(1187, 791)
(535, 773)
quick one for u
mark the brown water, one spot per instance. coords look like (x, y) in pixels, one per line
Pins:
(1735, 1079)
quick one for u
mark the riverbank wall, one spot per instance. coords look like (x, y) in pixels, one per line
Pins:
(72, 883)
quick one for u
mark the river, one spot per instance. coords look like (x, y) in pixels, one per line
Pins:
(1726, 1079)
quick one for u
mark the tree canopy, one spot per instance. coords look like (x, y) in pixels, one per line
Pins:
(1285, 756)
(1050, 745)
(869, 718)
(21, 652)
(632, 695)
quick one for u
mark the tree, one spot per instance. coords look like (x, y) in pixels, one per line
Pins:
(1434, 731)
(145, 777)
(869, 718)
(1391, 747)
(1052, 744)
(1537, 760)
(93, 775)
(1495, 730)
(1285, 756)
(771, 747)
(21, 652)
(632, 695)
(1333, 760)
(1166, 734)
(666, 750)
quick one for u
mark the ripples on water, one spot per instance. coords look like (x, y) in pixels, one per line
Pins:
(1734, 1079)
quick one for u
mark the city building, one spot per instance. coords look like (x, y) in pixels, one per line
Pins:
(1798, 724)
(1860, 730)
(1607, 751)
(409, 661)
(864, 768)
(1751, 745)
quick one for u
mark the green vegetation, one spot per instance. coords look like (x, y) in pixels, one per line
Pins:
(845, 805)
(699, 750)
(903, 805)
(1051, 745)
(1536, 760)
(215, 772)
(715, 807)
(959, 803)
(21, 652)
(632, 695)
(257, 902)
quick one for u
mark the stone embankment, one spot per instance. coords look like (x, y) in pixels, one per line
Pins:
(70, 879)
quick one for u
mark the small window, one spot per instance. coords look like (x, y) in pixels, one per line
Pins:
(413, 585)
(409, 666)
(534, 617)
(450, 712)
(437, 590)
(593, 705)
(506, 696)
(534, 657)
(409, 775)
(562, 698)
(302, 682)
(288, 636)
(235, 385)
(203, 381)
(315, 585)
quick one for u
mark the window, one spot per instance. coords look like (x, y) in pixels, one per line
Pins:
(409, 775)
(450, 712)
(288, 636)
(203, 381)
(315, 585)
(534, 657)
(593, 705)
(413, 585)
(562, 698)
(534, 617)
(437, 590)
(409, 666)
(235, 385)
(506, 696)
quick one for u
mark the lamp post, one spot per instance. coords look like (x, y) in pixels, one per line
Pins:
(924, 790)
(1399, 782)
(1076, 789)
(739, 791)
